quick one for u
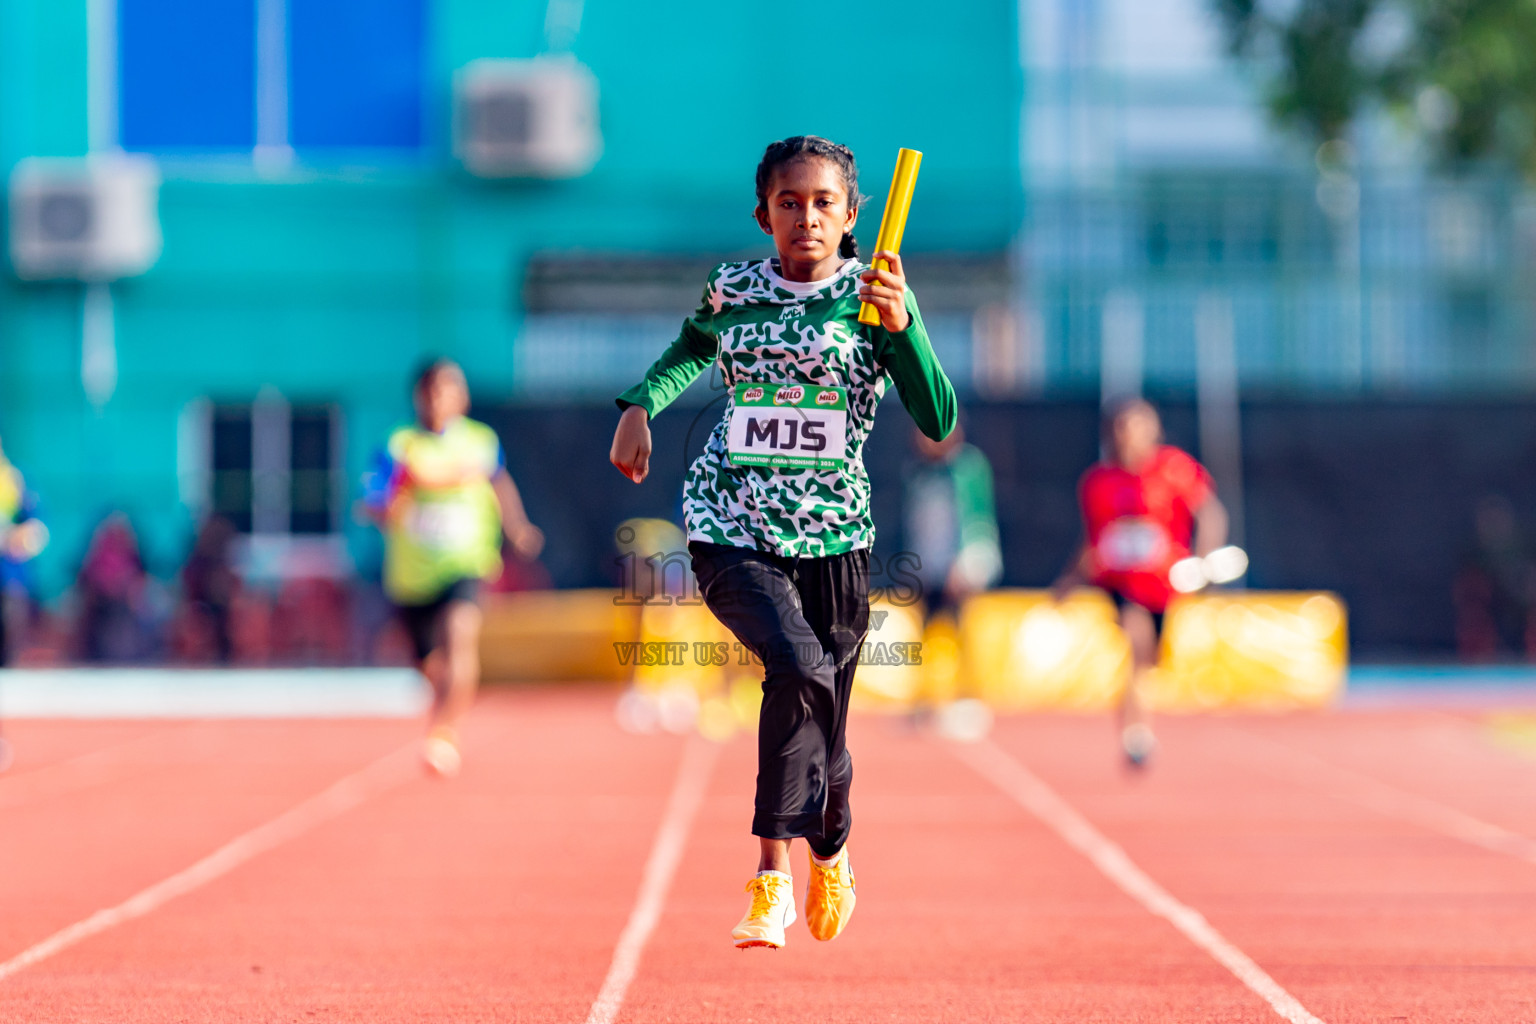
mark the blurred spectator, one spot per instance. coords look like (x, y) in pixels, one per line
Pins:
(115, 606)
(209, 585)
(22, 537)
(1493, 591)
(311, 621)
(251, 626)
(950, 521)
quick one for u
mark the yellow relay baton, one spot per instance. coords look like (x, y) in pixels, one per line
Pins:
(894, 221)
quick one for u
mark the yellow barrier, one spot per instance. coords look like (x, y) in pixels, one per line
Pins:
(1025, 652)
(691, 640)
(1017, 650)
(683, 645)
(1229, 650)
(555, 635)
(692, 658)
(1258, 650)
(890, 678)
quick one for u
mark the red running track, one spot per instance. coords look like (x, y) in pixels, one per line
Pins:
(1332, 853)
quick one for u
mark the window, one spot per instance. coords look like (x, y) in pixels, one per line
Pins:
(275, 468)
(313, 470)
(354, 72)
(231, 458)
(188, 74)
(226, 75)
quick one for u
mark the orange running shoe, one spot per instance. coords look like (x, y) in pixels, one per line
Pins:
(771, 911)
(829, 899)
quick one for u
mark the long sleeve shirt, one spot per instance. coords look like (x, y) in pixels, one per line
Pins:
(951, 519)
(766, 330)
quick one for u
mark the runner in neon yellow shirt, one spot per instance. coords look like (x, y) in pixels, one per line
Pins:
(443, 499)
(22, 537)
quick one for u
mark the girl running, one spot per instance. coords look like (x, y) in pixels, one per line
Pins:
(22, 538)
(777, 507)
(442, 495)
(1144, 507)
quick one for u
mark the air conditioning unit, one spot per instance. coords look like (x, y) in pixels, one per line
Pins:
(526, 118)
(86, 219)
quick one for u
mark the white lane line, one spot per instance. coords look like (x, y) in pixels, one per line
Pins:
(387, 772)
(1345, 784)
(990, 760)
(687, 793)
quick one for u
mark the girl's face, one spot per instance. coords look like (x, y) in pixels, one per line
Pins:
(1137, 434)
(442, 398)
(807, 214)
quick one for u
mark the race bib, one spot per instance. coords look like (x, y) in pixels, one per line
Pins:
(1132, 543)
(789, 426)
(441, 525)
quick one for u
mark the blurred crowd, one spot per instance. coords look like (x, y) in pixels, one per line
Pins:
(210, 611)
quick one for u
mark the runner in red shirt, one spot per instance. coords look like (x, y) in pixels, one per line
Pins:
(1145, 507)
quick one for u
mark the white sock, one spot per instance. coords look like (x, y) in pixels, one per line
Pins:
(826, 862)
(777, 874)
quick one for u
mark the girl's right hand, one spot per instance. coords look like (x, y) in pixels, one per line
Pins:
(631, 451)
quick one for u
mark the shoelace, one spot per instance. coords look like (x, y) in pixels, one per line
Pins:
(834, 876)
(764, 890)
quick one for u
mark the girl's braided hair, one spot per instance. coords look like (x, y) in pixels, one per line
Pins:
(796, 146)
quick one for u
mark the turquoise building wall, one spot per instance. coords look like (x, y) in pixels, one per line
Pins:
(329, 280)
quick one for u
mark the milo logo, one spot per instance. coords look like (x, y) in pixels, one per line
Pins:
(751, 394)
(788, 396)
(827, 398)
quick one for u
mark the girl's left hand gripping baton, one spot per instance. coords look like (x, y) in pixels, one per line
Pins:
(894, 221)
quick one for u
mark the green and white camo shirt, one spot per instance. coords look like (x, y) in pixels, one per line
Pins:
(765, 329)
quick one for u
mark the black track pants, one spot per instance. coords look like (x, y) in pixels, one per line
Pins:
(806, 619)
